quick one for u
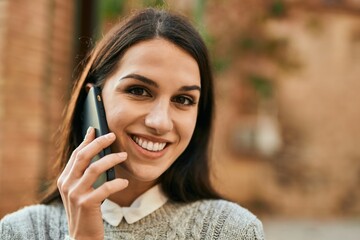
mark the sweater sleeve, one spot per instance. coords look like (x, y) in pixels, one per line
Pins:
(6, 232)
(254, 230)
(18, 225)
(235, 222)
(34, 222)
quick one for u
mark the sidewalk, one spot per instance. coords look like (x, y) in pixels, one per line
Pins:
(311, 229)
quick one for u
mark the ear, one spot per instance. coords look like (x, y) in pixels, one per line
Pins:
(88, 86)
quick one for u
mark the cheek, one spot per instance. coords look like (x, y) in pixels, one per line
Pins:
(118, 115)
(187, 127)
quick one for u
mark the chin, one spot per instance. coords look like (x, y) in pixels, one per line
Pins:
(142, 173)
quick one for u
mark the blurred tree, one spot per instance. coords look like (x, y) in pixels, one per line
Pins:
(154, 3)
(111, 9)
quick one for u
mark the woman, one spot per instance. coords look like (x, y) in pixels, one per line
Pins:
(157, 91)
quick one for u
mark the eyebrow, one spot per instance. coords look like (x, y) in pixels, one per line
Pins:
(142, 79)
(153, 83)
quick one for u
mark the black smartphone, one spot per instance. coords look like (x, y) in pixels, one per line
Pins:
(94, 115)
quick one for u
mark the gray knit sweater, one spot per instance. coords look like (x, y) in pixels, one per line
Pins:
(207, 219)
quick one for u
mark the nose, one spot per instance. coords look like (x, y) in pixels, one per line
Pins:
(158, 118)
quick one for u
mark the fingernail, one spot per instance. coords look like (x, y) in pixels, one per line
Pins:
(88, 132)
(122, 155)
(110, 136)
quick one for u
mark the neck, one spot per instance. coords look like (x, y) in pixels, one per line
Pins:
(135, 188)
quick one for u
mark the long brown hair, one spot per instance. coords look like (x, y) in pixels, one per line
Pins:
(187, 179)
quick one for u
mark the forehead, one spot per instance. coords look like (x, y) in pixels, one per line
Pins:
(160, 59)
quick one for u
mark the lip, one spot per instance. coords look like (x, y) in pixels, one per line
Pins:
(151, 138)
(149, 154)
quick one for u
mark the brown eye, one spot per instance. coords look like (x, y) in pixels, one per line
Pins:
(138, 91)
(184, 100)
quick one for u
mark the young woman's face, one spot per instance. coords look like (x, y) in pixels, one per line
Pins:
(151, 104)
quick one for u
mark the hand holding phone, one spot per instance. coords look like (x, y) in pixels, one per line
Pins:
(81, 201)
(93, 115)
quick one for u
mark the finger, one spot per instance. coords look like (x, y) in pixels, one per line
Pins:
(108, 188)
(97, 196)
(84, 156)
(62, 182)
(90, 135)
(95, 169)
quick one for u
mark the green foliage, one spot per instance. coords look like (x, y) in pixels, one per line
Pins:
(199, 11)
(198, 16)
(262, 85)
(263, 45)
(111, 9)
(220, 64)
(249, 43)
(277, 8)
(154, 3)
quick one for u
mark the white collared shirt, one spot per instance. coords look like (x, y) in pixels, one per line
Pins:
(145, 204)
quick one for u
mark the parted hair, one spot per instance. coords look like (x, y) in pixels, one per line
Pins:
(188, 178)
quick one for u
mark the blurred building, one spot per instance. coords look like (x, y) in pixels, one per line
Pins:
(36, 61)
(306, 55)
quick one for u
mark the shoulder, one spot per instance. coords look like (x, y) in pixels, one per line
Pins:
(234, 221)
(222, 219)
(224, 206)
(33, 221)
(33, 213)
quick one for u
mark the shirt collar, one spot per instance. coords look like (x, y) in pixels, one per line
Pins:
(145, 204)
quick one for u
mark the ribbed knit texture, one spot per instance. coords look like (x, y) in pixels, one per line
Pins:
(207, 219)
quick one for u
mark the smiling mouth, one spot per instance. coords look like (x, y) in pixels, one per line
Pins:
(149, 145)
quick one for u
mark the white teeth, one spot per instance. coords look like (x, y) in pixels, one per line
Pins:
(144, 144)
(156, 147)
(148, 145)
